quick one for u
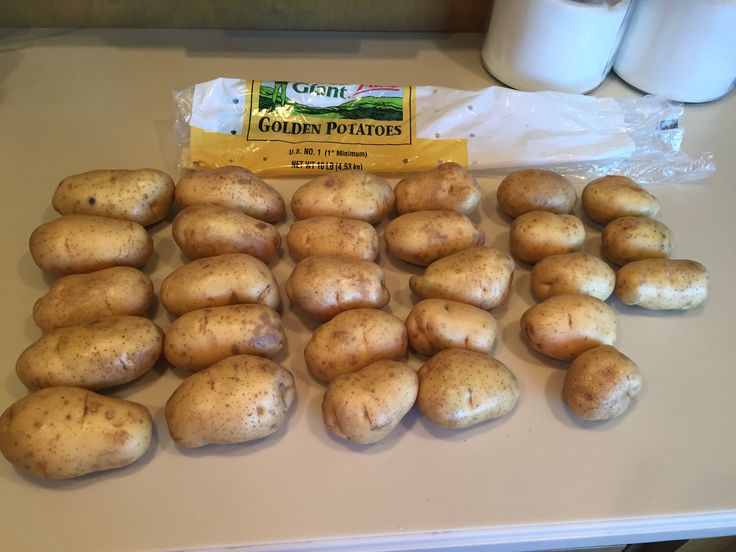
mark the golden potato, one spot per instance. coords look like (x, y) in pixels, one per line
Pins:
(79, 298)
(201, 337)
(347, 194)
(75, 244)
(629, 239)
(446, 187)
(327, 235)
(612, 197)
(572, 273)
(538, 234)
(232, 187)
(353, 339)
(323, 286)
(564, 326)
(600, 384)
(662, 284)
(240, 398)
(100, 354)
(434, 325)
(64, 432)
(479, 276)
(422, 237)
(459, 388)
(144, 196)
(535, 190)
(366, 405)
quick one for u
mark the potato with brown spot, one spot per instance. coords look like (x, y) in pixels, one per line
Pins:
(663, 284)
(448, 186)
(612, 197)
(629, 239)
(535, 190)
(572, 273)
(328, 235)
(538, 234)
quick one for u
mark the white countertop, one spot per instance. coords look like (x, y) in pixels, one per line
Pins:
(72, 101)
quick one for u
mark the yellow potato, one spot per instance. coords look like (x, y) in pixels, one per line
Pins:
(240, 398)
(202, 337)
(323, 286)
(228, 279)
(75, 244)
(447, 187)
(422, 237)
(100, 354)
(572, 273)
(348, 194)
(327, 235)
(65, 432)
(365, 406)
(459, 388)
(600, 384)
(479, 276)
(144, 196)
(564, 326)
(535, 190)
(80, 298)
(629, 239)
(538, 234)
(662, 284)
(611, 197)
(353, 339)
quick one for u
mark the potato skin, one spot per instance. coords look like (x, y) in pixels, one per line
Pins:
(446, 187)
(202, 337)
(75, 244)
(144, 196)
(65, 432)
(538, 234)
(240, 398)
(76, 299)
(535, 190)
(564, 326)
(479, 276)
(323, 286)
(663, 284)
(366, 405)
(348, 194)
(612, 197)
(228, 279)
(353, 339)
(459, 388)
(600, 384)
(434, 325)
(572, 273)
(328, 235)
(234, 188)
(629, 239)
(100, 354)
(422, 237)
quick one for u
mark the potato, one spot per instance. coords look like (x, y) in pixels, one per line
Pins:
(353, 339)
(629, 239)
(323, 286)
(65, 432)
(564, 326)
(144, 196)
(662, 284)
(422, 237)
(234, 188)
(201, 337)
(600, 384)
(479, 276)
(240, 398)
(100, 354)
(76, 299)
(437, 324)
(75, 244)
(459, 388)
(228, 279)
(326, 235)
(612, 197)
(572, 273)
(535, 190)
(538, 234)
(365, 406)
(347, 194)
(446, 187)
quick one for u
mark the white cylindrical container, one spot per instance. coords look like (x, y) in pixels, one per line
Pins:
(684, 50)
(561, 45)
